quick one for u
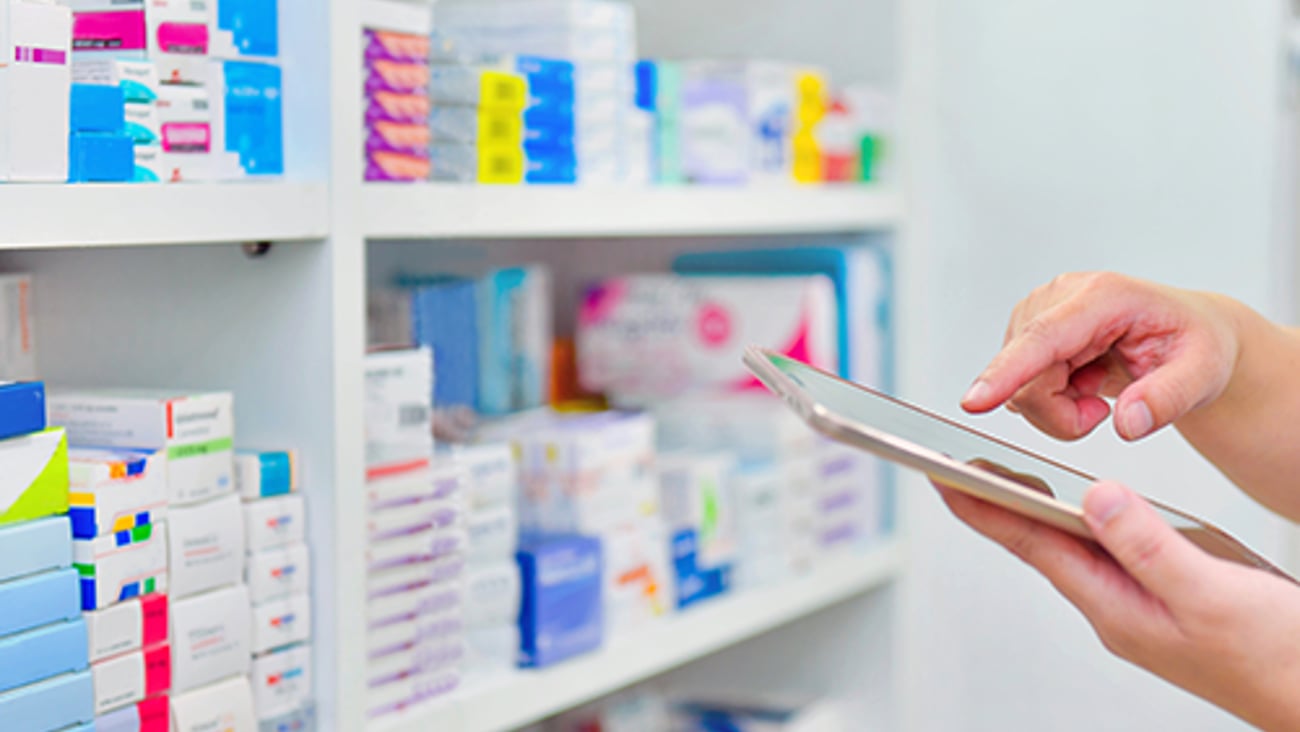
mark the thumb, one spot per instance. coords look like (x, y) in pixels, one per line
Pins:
(1165, 394)
(1146, 547)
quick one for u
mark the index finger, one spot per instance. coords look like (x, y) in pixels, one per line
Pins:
(1071, 330)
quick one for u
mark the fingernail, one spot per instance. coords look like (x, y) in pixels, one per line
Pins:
(978, 392)
(1137, 419)
(1103, 502)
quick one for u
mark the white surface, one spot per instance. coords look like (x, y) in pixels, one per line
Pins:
(50, 216)
(1057, 137)
(528, 696)
(422, 211)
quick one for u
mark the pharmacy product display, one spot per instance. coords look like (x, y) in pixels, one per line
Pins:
(163, 91)
(554, 92)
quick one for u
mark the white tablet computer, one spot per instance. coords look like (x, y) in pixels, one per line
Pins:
(958, 456)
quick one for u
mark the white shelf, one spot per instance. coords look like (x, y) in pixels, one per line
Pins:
(528, 696)
(443, 211)
(34, 216)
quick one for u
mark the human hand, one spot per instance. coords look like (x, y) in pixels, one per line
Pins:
(1160, 351)
(1224, 632)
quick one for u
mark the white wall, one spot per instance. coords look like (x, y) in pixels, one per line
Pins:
(1058, 136)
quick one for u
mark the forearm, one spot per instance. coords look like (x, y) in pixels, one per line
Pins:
(1252, 431)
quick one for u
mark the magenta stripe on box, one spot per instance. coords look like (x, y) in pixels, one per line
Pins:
(32, 55)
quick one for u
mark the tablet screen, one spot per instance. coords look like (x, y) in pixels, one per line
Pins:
(872, 409)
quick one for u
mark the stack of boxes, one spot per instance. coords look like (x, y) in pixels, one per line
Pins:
(477, 119)
(592, 475)
(45, 682)
(492, 590)
(197, 555)
(549, 124)
(99, 149)
(278, 575)
(598, 36)
(416, 539)
(396, 93)
(201, 82)
(35, 40)
(119, 499)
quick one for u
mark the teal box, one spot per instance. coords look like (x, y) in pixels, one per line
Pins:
(514, 340)
(35, 546)
(48, 651)
(39, 599)
(57, 703)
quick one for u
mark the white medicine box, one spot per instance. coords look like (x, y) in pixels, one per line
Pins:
(35, 81)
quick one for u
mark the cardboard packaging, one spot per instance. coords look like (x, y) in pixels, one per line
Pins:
(210, 637)
(22, 405)
(35, 43)
(128, 626)
(34, 483)
(226, 706)
(266, 474)
(115, 490)
(206, 546)
(39, 599)
(34, 546)
(120, 566)
(42, 653)
(195, 431)
(17, 333)
(56, 703)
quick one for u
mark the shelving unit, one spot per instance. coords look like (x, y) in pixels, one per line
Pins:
(394, 211)
(52, 216)
(530, 696)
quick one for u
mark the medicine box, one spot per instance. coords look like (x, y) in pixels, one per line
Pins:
(179, 39)
(443, 319)
(493, 473)
(34, 483)
(398, 388)
(281, 623)
(247, 118)
(105, 28)
(421, 631)
(399, 695)
(149, 165)
(100, 157)
(426, 655)
(185, 124)
(194, 431)
(142, 124)
(97, 108)
(122, 565)
(561, 614)
(274, 522)
(39, 599)
(115, 490)
(695, 329)
(696, 494)
(266, 474)
(131, 677)
(35, 546)
(138, 80)
(210, 637)
(35, 42)
(17, 333)
(38, 654)
(514, 339)
(492, 593)
(492, 532)
(276, 573)
(63, 701)
(227, 705)
(302, 719)
(206, 546)
(404, 606)
(150, 715)
(127, 626)
(22, 404)
(246, 28)
(282, 681)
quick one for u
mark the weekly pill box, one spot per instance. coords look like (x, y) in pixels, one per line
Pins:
(127, 626)
(210, 637)
(281, 681)
(41, 653)
(273, 522)
(127, 679)
(34, 483)
(266, 474)
(115, 490)
(122, 565)
(35, 546)
(63, 701)
(281, 623)
(194, 431)
(39, 599)
(206, 546)
(273, 574)
(22, 408)
(226, 706)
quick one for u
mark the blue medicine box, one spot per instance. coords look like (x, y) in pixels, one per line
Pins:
(57, 703)
(561, 613)
(254, 25)
(47, 651)
(444, 318)
(254, 116)
(693, 582)
(35, 546)
(39, 599)
(100, 157)
(22, 408)
(97, 108)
